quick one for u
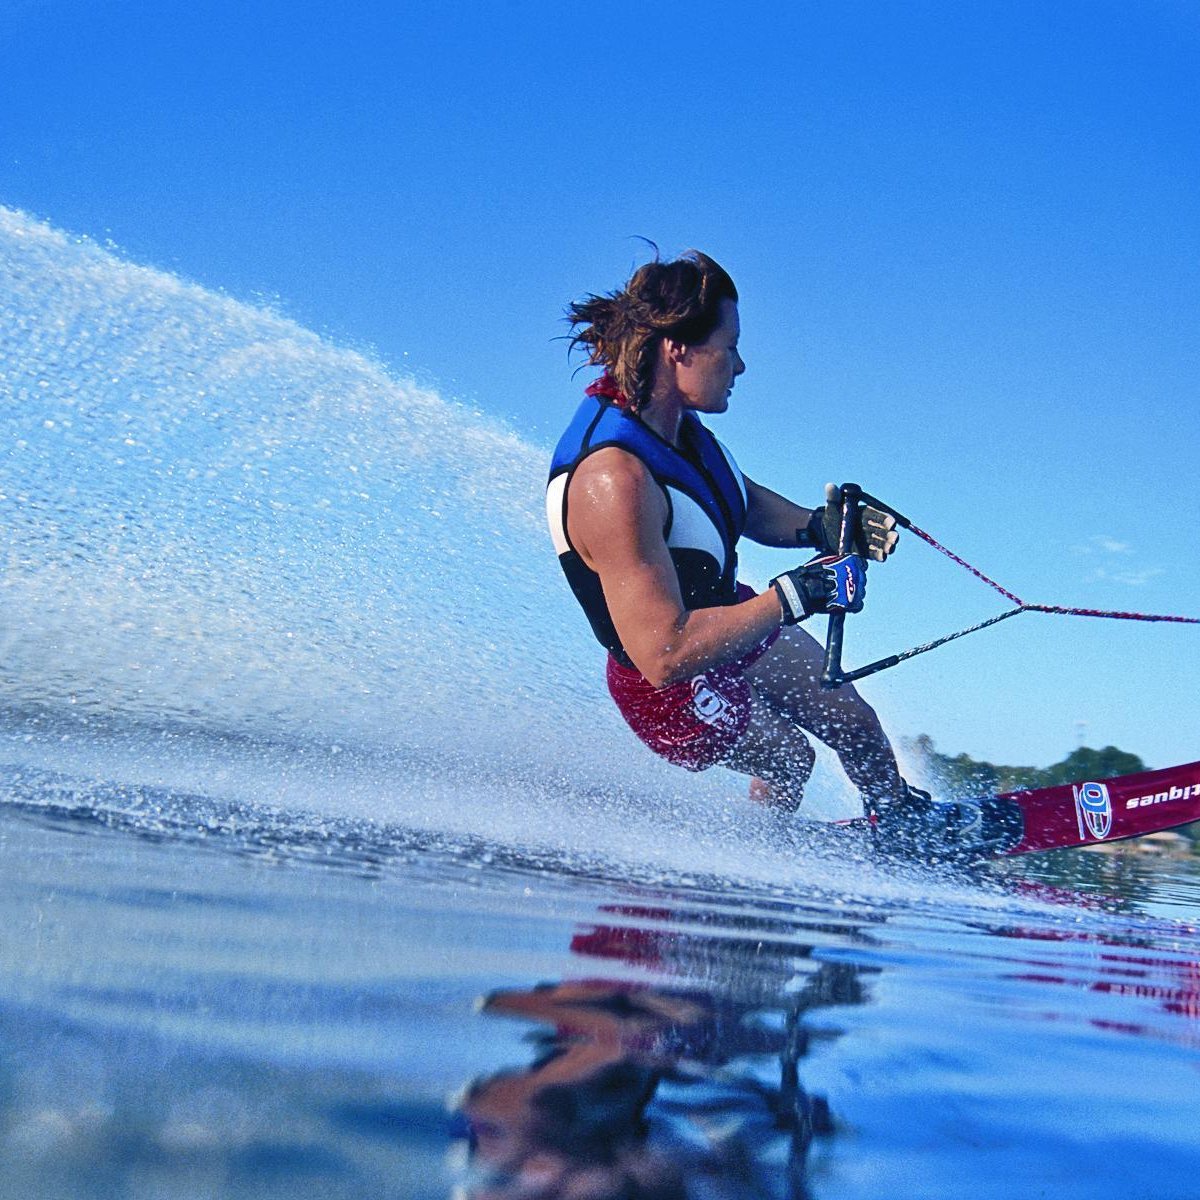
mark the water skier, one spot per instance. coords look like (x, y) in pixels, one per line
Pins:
(646, 508)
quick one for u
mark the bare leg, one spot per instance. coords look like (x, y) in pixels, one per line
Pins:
(788, 679)
(775, 751)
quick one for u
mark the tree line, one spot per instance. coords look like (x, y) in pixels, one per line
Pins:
(962, 775)
(969, 778)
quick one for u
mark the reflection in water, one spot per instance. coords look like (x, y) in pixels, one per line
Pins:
(1128, 966)
(663, 1092)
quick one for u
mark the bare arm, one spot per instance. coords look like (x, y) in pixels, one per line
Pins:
(615, 517)
(771, 519)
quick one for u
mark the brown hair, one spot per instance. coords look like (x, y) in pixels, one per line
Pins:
(680, 300)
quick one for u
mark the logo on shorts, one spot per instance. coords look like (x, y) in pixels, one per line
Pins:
(1093, 810)
(708, 704)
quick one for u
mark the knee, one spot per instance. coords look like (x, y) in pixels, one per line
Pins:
(801, 752)
(854, 709)
(782, 781)
(846, 716)
(793, 758)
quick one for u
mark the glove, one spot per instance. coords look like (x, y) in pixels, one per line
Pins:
(875, 538)
(824, 585)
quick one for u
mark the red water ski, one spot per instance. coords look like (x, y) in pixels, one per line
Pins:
(1087, 813)
(1107, 810)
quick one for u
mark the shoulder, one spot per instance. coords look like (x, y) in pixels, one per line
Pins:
(613, 490)
(613, 474)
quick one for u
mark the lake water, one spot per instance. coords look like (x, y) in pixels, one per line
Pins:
(204, 1000)
(309, 888)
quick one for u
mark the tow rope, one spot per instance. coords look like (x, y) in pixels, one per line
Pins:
(834, 676)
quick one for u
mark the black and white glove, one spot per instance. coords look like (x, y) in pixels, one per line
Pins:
(876, 535)
(825, 585)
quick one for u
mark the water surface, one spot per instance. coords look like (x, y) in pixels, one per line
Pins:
(310, 886)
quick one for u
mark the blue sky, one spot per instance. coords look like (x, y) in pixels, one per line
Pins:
(965, 235)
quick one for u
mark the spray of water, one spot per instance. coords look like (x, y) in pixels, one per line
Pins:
(239, 559)
(217, 522)
(214, 517)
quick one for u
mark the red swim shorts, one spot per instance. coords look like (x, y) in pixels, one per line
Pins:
(694, 723)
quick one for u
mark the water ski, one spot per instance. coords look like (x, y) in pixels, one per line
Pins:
(1069, 815)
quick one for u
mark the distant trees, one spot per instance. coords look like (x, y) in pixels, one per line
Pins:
(1086, 763)
(962, 775)
(966, 777)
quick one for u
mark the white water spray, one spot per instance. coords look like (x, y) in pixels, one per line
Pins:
(214, 517)
(223, 532)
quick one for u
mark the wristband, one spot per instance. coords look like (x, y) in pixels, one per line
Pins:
(813, 534)
(790, 600)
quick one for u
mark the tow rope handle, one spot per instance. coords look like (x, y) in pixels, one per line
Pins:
(833, 676)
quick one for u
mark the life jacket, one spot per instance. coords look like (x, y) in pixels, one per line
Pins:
(706, 504)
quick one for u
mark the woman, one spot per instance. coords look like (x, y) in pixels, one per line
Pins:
(646, 508)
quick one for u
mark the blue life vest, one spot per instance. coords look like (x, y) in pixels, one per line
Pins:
(706, 506)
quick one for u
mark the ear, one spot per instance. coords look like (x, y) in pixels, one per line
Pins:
(675, 352)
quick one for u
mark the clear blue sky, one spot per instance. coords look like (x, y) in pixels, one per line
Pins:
(967, 238)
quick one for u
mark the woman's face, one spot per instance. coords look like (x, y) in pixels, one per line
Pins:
(705, 373)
